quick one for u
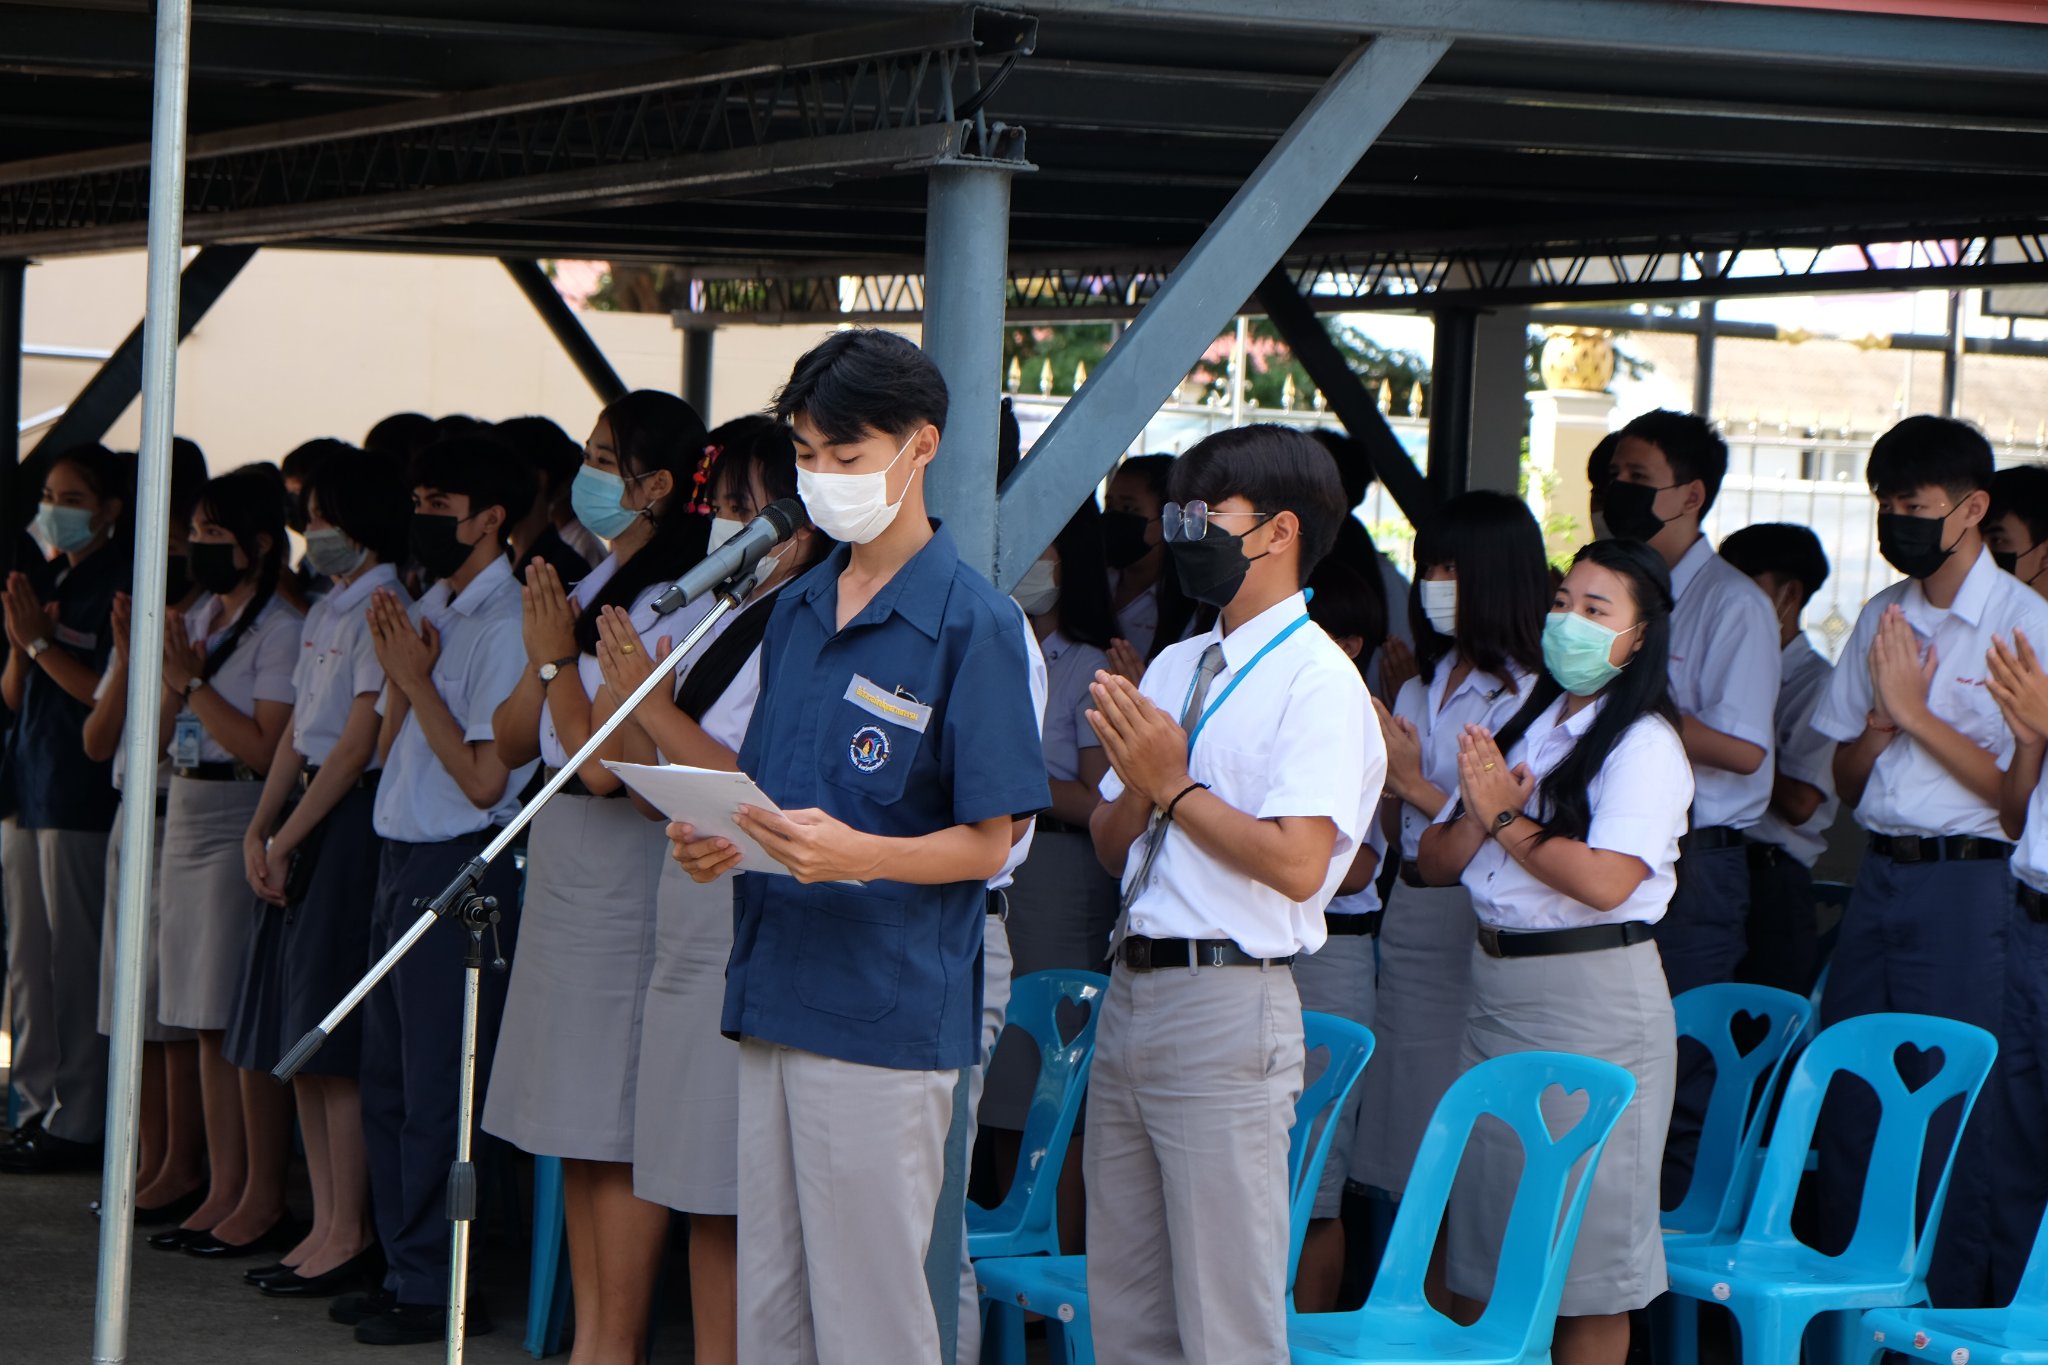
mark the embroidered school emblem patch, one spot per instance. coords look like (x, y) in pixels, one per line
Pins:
(870, 748)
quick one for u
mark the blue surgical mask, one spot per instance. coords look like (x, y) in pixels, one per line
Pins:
(66, 530)
(597, 497)
(1578, 652)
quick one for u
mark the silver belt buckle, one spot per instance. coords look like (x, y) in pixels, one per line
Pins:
(1489, 940)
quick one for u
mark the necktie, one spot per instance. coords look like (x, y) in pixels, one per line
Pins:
(1210, 665)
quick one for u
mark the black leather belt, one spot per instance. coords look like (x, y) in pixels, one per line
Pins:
(575, 787)
(1366, 925)
(1142, 954)
(1587, 938)
(1712, 837)
(1048, 824)
(2034, 903)
(1928, 848)
(999, 902)
(219, 772)
(364, 781)
(1411, 873)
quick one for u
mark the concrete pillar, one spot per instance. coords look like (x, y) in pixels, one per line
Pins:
(697, 342)
(1500, 410)
(1564, 427)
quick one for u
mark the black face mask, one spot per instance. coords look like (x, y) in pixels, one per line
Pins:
(1629, 510)
(213, 567)
(1211, 569)
(1912, 545)
(2006, 560)
(177, 578)
(1123, 538)
(436, 545)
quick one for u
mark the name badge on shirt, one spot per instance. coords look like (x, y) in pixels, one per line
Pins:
(77, 639)
(186, 733)
(893, 707)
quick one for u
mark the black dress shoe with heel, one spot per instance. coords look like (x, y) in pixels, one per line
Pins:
(175, 1239)
(266, 1272)
(281, 1234)
(364, 1268)
(177, 1211)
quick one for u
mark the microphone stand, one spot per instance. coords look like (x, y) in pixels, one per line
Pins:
(477, 913)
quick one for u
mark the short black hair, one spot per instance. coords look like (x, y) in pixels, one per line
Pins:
(862, 381)
(1276, 468)
(403, 434)
(1925, 451)
(2021, 491)
(1503, 592)
(1692, 448)
(1783, 548)
(547, 449)
(1345, 605)
(478, 466)
(188, 478)
(1354, 466)
(306, 461)
(1600, 463)
(367, 498)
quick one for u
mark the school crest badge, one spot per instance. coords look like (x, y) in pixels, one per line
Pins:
(869, 749)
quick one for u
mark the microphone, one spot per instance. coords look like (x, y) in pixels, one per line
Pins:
(776, 523)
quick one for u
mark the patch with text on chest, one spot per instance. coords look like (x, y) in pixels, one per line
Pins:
(869, 749)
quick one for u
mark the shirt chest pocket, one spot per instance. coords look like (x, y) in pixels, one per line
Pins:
(1971, 708)
(870, 740)
(1239, 776)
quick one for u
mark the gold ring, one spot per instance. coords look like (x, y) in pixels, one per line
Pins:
(629, 649)
(1488, 768)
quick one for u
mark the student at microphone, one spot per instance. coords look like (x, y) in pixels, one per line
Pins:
(895, 730)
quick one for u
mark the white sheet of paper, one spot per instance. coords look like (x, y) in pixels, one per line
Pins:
(707, 799)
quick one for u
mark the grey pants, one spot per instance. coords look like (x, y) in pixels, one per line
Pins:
(840, 1169)
(56, 891)
(995, 1005)
(1190, 1100)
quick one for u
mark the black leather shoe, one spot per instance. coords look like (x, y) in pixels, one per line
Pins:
(28, 1129)
(177, 1211)
(41, 1153)
(364, 1268)
(280, 1234)
(416, 1324)
(267, 1272)
(350, 1309)
(174, 1239)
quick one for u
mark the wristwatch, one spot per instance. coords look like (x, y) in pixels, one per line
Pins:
(36, 647)
(193, 684)
(552, 667)
(1502, 821)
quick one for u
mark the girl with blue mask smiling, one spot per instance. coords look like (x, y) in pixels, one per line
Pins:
(1566, 835)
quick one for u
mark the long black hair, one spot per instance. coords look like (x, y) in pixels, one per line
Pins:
(1503, 584)
(1642, 689)
(248, 503)
(1087, 613)
(653, 432)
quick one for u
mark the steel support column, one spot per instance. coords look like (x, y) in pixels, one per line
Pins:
(13, 298)
(1302, 330)
(173, 305)
(1703, 359)
(697, 353)
(1262, 220)
(117, 383)
(568, 333)
(966, 266)
(1450, 401)
(1952, 358)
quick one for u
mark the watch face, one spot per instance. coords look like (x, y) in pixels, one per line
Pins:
(548, 671)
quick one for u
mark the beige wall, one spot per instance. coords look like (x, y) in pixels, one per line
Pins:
(320, 343)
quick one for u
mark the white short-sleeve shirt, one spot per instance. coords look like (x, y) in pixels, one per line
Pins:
(1035, 659)
(260, 669)
(1638, 802)
(1479, 699)
(1296, 737)
(163, 768)
(2030, 856)
(1804, 753)
(337, 662)
(1138, 619)
(1070, 668)
(1724, 673)
(482, 657)
(1909, 791)
(652, 629)
(1367, 900)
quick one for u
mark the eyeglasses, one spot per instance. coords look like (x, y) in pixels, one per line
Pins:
(1190, 520)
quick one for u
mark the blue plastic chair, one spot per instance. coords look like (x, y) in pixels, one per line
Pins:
(547, 1279)
(1026, 1223)
(1057, 1286)
(1775, 1284)
(1397, 1325)
(1731, 1134)
(2013, 1335)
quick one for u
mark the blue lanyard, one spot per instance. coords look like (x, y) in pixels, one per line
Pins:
(1242, 674)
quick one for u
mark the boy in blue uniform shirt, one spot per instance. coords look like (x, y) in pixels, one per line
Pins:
(895, 730)
(1920, 751)
(450, 660)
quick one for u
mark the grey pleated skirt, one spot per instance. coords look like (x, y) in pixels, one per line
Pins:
(153, 1029)
(1612, 1004)
(207, 913)
(1062, 908)
(569, 1049)
(686, 1126)
(1425, 993)
(1338, 978)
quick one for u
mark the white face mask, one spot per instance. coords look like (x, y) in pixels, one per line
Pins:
(854, 508)
(1038, 591)
(1440, 604)
(722, 530)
